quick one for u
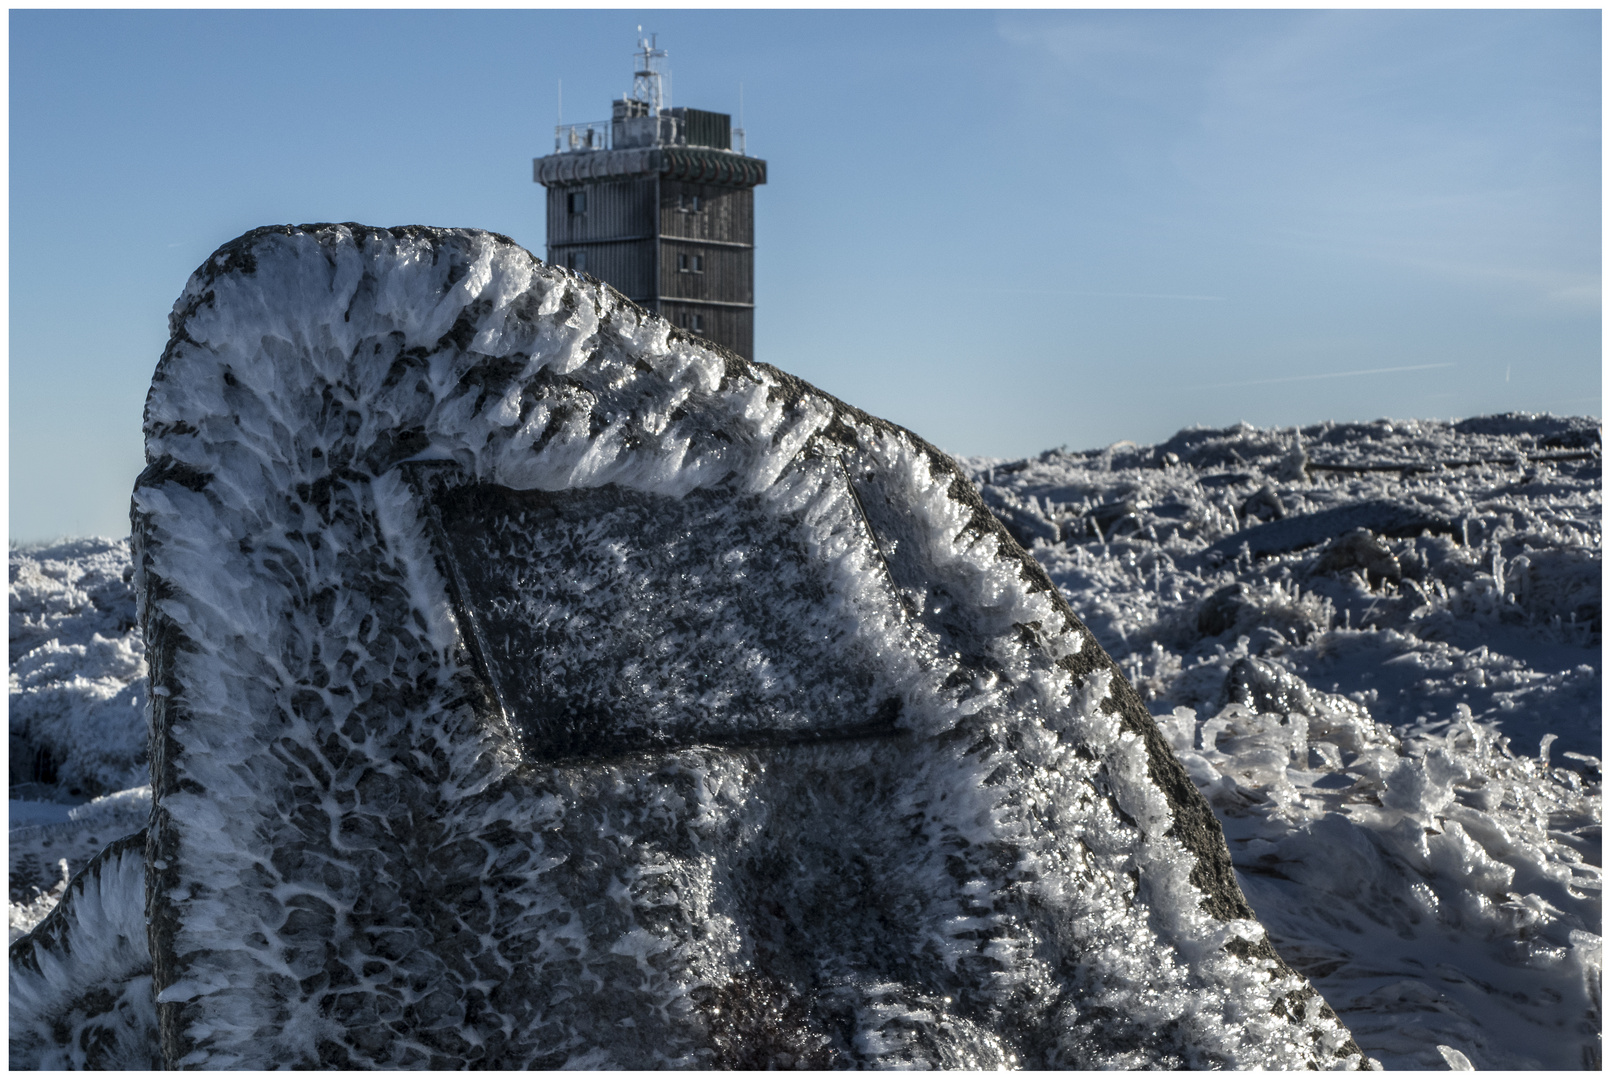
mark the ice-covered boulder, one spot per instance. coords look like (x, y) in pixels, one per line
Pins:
(81, 994)
(532, 685)
(1381, 516)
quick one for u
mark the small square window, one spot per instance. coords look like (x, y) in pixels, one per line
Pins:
(576, 260)
(576, 202)
(688, 203)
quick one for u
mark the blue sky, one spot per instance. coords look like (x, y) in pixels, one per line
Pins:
(1006, 230)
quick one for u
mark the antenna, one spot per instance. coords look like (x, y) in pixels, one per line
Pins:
(647, 79)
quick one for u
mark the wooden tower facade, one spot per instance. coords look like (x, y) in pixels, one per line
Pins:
(658, 203)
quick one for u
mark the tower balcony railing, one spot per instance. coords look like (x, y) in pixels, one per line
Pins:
(596, 135)
(589, 135)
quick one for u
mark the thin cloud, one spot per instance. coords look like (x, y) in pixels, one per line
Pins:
(1323, 375)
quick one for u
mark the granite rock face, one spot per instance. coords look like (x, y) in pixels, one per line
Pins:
(535, 686)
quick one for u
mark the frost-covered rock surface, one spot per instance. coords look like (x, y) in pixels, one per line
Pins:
(1440, 944)
(80, 983)
(51, 841)
(1376, 648)
(375, 842)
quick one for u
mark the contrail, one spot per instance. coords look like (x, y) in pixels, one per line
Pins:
(1326, 375)
(1149, 295)
(1129, 295)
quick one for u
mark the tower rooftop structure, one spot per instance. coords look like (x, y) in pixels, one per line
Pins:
(659, 202)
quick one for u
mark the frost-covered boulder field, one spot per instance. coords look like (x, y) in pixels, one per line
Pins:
(1345, 633)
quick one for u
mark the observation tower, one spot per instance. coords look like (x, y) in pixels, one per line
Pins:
(660, 203)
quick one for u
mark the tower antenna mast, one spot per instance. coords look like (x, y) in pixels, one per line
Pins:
(648, 78)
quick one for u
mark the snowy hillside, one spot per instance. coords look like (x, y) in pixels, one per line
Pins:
(1375, 647)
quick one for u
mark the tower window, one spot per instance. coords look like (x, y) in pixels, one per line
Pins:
(576, 202)
(690, 264)
(576, 260)
(688, 203)
(690, 321)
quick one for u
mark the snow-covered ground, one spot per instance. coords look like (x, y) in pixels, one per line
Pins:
(1397, 726)
(78, 764)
